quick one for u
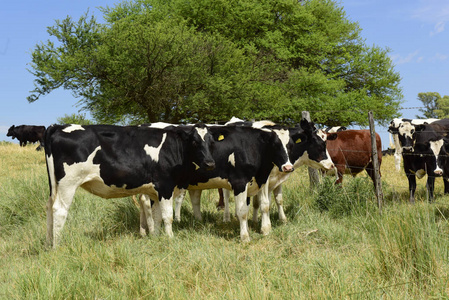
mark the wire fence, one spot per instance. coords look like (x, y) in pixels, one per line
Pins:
(425, 160)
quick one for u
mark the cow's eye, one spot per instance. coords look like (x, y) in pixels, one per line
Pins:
(412, 131)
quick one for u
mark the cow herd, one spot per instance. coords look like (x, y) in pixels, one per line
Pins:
(160, 162)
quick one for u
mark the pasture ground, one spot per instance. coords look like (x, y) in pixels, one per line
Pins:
(335, 244)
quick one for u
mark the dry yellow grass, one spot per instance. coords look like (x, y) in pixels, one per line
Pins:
(16, 160)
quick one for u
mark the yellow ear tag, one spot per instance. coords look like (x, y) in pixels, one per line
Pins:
(221, 137)
(298, 141)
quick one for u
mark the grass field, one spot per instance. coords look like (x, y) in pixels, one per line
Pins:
(335, 244)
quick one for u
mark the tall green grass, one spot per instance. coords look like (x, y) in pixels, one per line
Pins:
(334, 245)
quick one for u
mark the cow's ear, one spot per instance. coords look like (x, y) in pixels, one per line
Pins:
(219, 135)
(332, 136)
(392, 130)
(299, 138)
(446, 142)
(306, 125)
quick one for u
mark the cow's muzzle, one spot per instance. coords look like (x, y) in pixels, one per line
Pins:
(408, 148)
(210, 165)
(287, 168)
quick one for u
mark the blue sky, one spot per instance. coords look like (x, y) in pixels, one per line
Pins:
(416, 32)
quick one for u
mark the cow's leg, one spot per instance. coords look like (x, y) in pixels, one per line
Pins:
(279, 202)
(220, 204)
(50, 221)
(226, 214)
(242, 213)
(58, 211)
(430, 186)
(264, 200)
(446, 185)
(146, 215)
(256, 206)
(340, 170)
(370, 170)
(411, 186)
(178, 204)
(157, 216)
(195, 198)
(166, 208)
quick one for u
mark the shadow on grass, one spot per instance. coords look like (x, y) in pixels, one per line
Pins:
(123, 218)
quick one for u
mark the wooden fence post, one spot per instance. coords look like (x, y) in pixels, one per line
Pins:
(377, 181)
(314, 175)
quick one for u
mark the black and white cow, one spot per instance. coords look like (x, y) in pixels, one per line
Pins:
(114, 161)
(423, 157)
(402, 131)
(27, 133)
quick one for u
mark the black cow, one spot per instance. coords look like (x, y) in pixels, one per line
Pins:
(27, 133)
(114, 161)
(422, 158)
(388, 151)
(244, 158)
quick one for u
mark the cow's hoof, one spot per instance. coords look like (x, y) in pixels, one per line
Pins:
(265, 230)
(245, 238)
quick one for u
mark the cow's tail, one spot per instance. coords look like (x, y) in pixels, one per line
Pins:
(49, 157)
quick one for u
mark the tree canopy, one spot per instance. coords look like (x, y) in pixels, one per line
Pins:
(435, 106)
(74, 119)
(209, 60)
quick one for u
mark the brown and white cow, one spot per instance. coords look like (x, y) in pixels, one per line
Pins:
(350, 150)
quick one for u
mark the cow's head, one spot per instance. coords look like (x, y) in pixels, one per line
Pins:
(199, 146)
(279, 139)
(308, 146)
(403, 132)
(11, 132)
(407, 135)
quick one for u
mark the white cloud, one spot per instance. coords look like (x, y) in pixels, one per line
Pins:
(433, 12)
(415, 58)
(439, 57)
(439, 27)
(411, 57)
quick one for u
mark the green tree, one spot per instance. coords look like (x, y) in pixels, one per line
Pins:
(209, 60)
(435, 106)
(430, 102)
(443, 107)
(74, 119)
